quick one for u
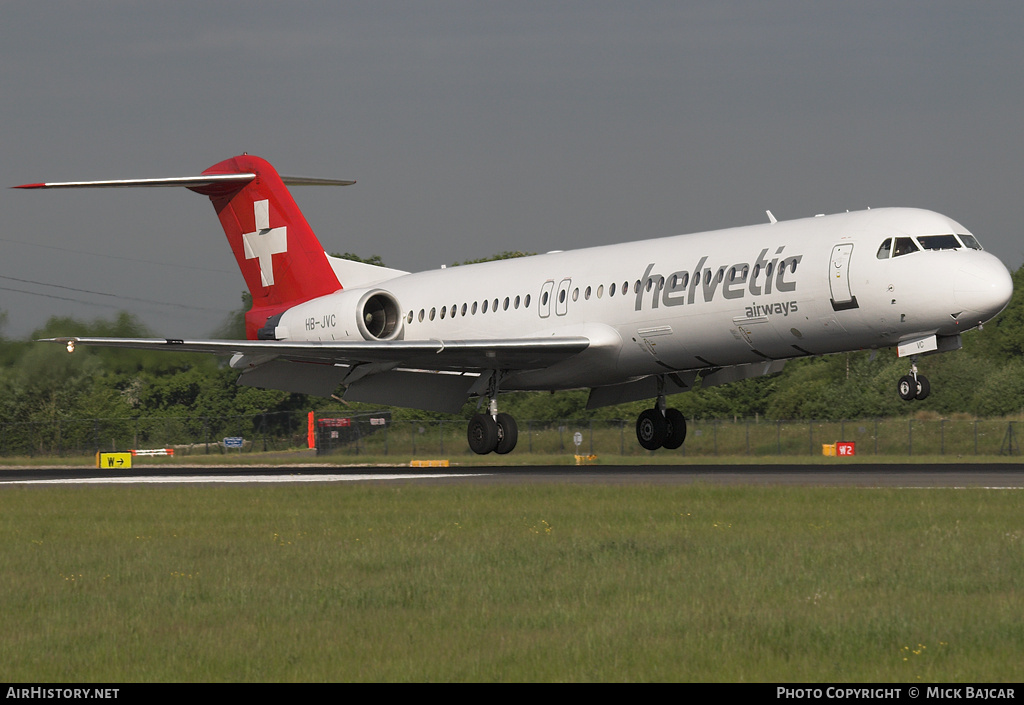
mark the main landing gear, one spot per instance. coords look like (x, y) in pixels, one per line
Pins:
(491, 431)
(661, 427)
(497, 433)
(913, 386)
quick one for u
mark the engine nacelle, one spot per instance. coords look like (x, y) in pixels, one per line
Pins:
(346, 315)
(379, 316)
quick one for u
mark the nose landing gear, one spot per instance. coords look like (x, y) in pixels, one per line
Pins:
(913, 386)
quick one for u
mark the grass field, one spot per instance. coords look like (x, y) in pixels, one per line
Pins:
(510, 583)
(516, 459)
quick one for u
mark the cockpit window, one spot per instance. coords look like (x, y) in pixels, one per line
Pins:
(970, 242)
(904, 246)
(939, 242)
(884, 249)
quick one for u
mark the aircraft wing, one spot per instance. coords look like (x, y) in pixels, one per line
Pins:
(457, 355)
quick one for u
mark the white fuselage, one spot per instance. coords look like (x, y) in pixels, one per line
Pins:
(707, 300)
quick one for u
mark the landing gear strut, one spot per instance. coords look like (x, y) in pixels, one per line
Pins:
(491, 431)
(913, 386)
(661, 427)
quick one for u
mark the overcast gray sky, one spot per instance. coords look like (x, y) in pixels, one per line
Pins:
(477, 127)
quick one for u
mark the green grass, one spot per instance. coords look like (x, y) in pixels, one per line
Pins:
(510, 583)
(516, 459)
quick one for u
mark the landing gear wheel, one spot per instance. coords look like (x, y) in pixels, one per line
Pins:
(907, 388)
(923, 388)
(482, 434)
(651, 429)
(676, 432)
(508, 434)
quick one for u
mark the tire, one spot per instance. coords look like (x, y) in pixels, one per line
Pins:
(482, 434)
(651, 429)
(907, 388)
(923, 388)
(508, 434)
(676, 432)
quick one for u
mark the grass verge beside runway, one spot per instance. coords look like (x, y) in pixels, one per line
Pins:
(467, 459)
(510, 583)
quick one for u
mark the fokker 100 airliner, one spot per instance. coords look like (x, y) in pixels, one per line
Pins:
(633, 321)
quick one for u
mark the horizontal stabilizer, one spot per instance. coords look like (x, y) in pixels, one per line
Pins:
(204, 180)
(186, 181)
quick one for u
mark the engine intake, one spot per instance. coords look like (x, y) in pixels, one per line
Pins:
(379, 316)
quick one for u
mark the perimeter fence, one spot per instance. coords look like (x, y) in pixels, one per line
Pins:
(343, 433)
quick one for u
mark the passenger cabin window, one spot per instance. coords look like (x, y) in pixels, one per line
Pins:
(904, 246)
(970, 242)
(939, 242)
(885, 249)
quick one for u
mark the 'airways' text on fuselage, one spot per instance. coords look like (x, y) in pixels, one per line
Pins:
(785, 308)
(733, 281)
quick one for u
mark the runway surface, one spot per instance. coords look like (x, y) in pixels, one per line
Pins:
(1003, 476)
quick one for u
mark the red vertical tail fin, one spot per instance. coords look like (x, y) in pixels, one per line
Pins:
(280, 257)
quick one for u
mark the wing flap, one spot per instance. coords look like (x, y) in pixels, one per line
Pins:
(458, 355)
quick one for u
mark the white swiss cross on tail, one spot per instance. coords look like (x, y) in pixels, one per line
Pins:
(266, 241)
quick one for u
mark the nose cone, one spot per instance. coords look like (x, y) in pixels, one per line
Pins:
(982, 287)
